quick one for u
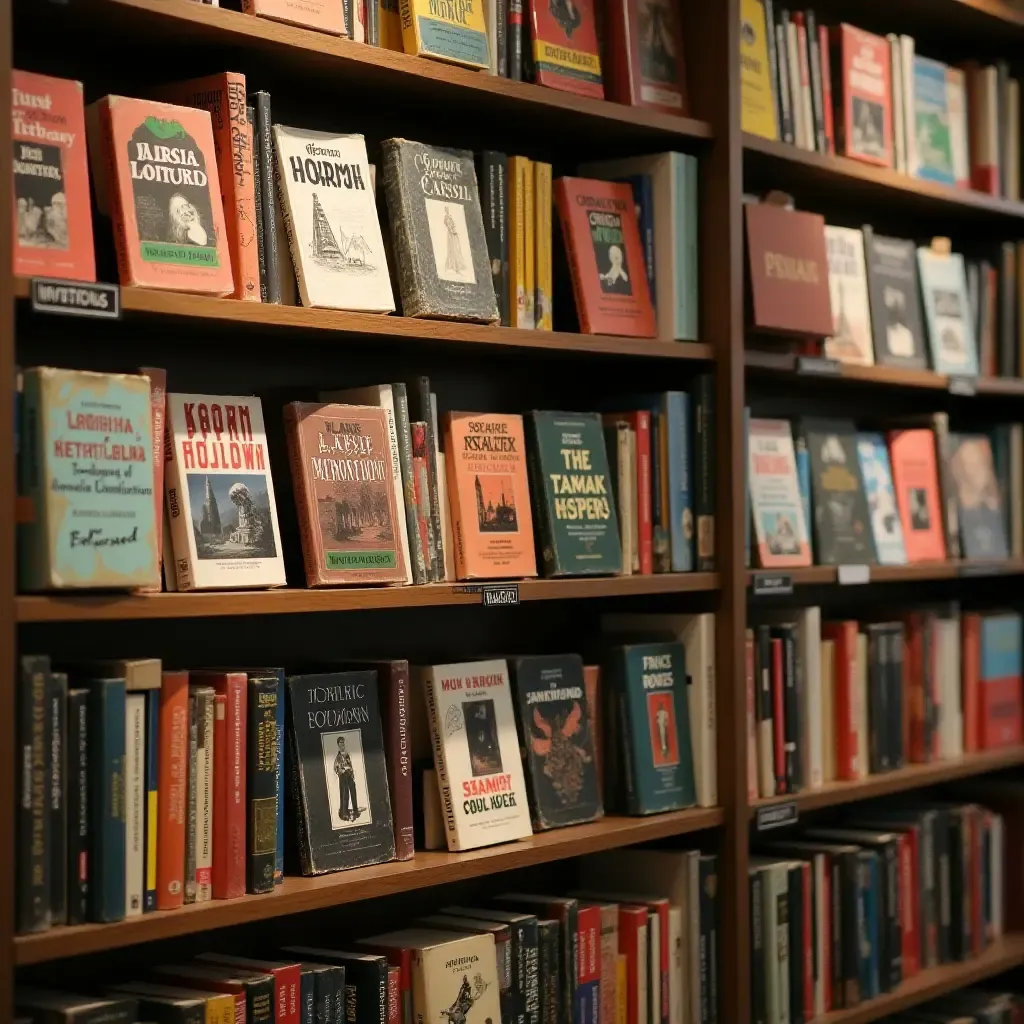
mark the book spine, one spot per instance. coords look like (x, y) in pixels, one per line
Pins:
(106, 791)
(264, 144)
(643, 483)
(398, 759)
(787, 133)
(205, 707)
(122, 244)
(493, 167)
(437, 555)
(279, 786)
(519, 255)
(817, 92)
(57, 702)
(237, 187)
(676, 412)
(794, 767)
(261, 784)
(172, 791)
(542, 246)
(229, 806)
(847, 752)
(179, 516)
(765, 714)
(704, 470)
(515, 39)
(971, 675)
(575, 275)
(78, 807)
(33, 821)
(773, 61)
(893, 923)
(837, 914)
(708, 871)
(947, 485)
(158, 407)
(750, 680)
(451, 829)
(134, 802)
(758, 995)
(193, 800)
(779, 715)
(827, 108)
(795, 939)
(421, 477)
(878, 757)
(257, 191)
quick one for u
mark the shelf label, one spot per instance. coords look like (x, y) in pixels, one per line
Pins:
(776, 816)
(820, 366)
(502, 595)
(853, 575)
(75, 298)
(962, 386)
(981, 569)
(772, 584)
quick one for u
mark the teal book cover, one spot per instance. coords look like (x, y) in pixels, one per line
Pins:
(932, 142)
(649, 685)
(573, 491)
(676, 409)
(87, 469)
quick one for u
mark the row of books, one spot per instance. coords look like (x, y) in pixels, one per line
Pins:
(839, 701)
(981, 1005)
(904, 495)
(842, 914)
(610, 951)
(150, 789)
(874, 99)
(206, 214)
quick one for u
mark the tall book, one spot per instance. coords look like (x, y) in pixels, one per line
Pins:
(493, 170)
(862, 71)
(134, 802)
(896, 319)
(1000, 704)
(33, 739)
(947, 311)
(263, 748)
(542, 242)
(522, 257)
(220, 494)
(931, 127)
(267, 197)
(883, 511)
(172, 794)
(158, 407)
(848, 289)
(979, 502)
(322, 15)
(646, 69)
(757, 90)
(461, 971)
(566, 54)
(56, 797)
(915, 476)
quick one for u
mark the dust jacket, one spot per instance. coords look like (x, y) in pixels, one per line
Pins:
(455, 978)
(338, 779)
(948, 312)
(979, 502)
(645, 55)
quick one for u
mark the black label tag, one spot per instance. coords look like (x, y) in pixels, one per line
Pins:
(819, 366)
(962, 386)
(775, 583)
(502, 595)
(776, 816)
(73, 298)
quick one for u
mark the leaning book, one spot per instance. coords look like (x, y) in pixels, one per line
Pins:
(220, 494)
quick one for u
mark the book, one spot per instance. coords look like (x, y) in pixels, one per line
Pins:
(438, 232)
(557, 740)
(493, 174)
(203, 701)
(263, 750)
(134, 800)
(571, 487)
(50, 172)
(95, 528)
(267, 196)
(862, 68)
(56, 796)
(155, 170)
(883, 511)
(757, 92)
(489, 495)
(645, 64)
(172, 792)
(330, 215)
(33, 738)
(220, 494)
(848, 290)
(1000, 705)
(49, 1007)
(338, 781)
(158, 406)
(979, 502)
(322, 15)
(897, 324)
(602, 239)
(950, 330)
(542, 240)
(453, 35)
(521, 250)
(932, 137)
(565, 49)
(917, 493)
(449, 971)
(78, 867)
(476, 753)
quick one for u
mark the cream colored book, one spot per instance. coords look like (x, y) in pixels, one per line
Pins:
(455, 971)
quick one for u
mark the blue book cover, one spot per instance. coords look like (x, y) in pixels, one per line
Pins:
(876, 473)
(676, 407)
(934, 148)
(152, 754)
(948, 313)
(643, 200)
(1000, 647)
(803, 475)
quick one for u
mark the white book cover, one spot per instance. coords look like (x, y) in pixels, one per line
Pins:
(898, 121)
(204, 803)
(951, 718)
(956, 108)
(805, 89)
(220, 494)
(677, 967)
(808, 638)
(909, 105)
(331, 218)
(135, 802)
(778, 512)
(851, 340)
(476, 753)
(947, 312)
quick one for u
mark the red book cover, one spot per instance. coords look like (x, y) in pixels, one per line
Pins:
(565, 48)
(632, 924)
(394, 995)
(909, 910)
(602, 240)
(286, 982)
(399, 956)
(970, 654)
(588, 930)
(640, 422)
(50, 181)
(779, 719)
(916, 480)
(826, 88)
(844, 636)
(172, 766)
(917, 680)
(863, 73)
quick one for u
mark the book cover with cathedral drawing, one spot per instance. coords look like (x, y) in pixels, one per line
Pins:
(330, 215)
(220, 494)
(851, 340)
(489, 496)
(344, 496)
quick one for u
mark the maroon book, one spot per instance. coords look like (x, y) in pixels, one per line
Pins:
(645, 65)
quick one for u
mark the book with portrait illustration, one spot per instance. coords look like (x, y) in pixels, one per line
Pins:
(476, 753)
(566, 53)
(916, 480)
(896, 318)
(848, 291)
(336, 772)
(455, 978)
(979, 502)
(645, 66)
(155, 169)
(881, 497)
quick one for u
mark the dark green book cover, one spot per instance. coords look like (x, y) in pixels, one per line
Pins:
(572, 488)
(649, 686)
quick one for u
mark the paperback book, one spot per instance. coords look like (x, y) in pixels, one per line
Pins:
(322, 15)
(645, 65)
(848, 291)
(864, 112)
(979, 503)
(895, 301)
(881, 498)
(916, 479)
(947, 310)
(932, 143)
(566, 54)
(455, 34)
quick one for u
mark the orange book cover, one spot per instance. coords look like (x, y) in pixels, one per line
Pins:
(223, 96)
(970, 655)
(916, 479)
(323, 15)
(156, 169)
(489, 496)
(52, 213)
(172, 769)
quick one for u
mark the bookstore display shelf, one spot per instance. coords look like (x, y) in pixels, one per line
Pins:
(917, 572)
(150, 303)
(426, 869)
(914, 776)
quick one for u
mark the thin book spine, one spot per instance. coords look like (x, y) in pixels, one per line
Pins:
(78, 806)
(205, 699)
(57, 700)
(152, 798)
(395, 712)
(106, 790)
(817, 89)
(264, 146)
(261, 784)
(134, 802)
(437, 555)
(440, 763)
(515, 39)
(193, 799)
(416, 553)
(704, 471)
(257, 184)
(33, 889)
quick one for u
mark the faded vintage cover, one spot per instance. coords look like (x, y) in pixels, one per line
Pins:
(566, 54)
(916, 478)
(455, 979)
(848, 290)
(448, 31)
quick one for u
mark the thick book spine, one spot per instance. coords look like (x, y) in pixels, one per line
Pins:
(790, 670)
(547, 938)
(765, 713)
(78, 807)
(437, 555)
(704, 470)
(758, 995)
(263, 142)
(261, 784)
(134, 802)
(172, 795)
(817, 89)
(778, 677)
(795, 941)
(257, 187)
(417, 555)
(395, 709)
(192, 800)
(279, 786)
(440, 763)
(33, 822)
(152, 797)
(57, 702)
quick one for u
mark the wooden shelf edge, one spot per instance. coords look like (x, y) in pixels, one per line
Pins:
(912, 573)
(915, 776)
(296, 895)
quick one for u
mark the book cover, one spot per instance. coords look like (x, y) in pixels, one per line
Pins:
(848, 290)
(322, 15)
(134, 802)
(931, 128)
(267, 199)
(566, 54)
(331, 219)
(156, 172)
(979, 503)
(1001, 708)
(863, 70)
(172, 793)
(757, 90)
(78, 866)
(455, 34)
(50, 171)
(883, 512)
(896, 318)
(220, 494)
(338, 780)
(87, 467)
(556, 739)
(947, 311)
(521, 296)
(158, 407)
(572, 489)
(456, 977)
(778, 514)
(645, 64)
(263, 748)
(56, 797)
(842, 531)
(476, 753)
(916, 480)
(489, 495)
(602, 240)
(438, 232)
(542, 242)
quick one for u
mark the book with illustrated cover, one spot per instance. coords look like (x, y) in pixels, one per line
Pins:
(948, 312)
(556, 739)
(896, 318)
(455, 34)
(933, 148)
(330, 215)
(863, 72)
(455, 978)
(979, 502)
(220, 494)
(476, 753)
(915, 476)
(881, 498)
(759, 109)
(645, 56)
(848, 290)
(566, 54)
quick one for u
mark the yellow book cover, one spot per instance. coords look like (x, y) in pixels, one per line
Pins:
(530, 255)
(448, 30)
(620, 990)
(389, 22)
(755, 72)
(542, 245)
(520, 174)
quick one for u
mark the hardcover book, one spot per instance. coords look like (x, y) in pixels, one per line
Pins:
(602, 240)
(979, 503)
(330, 214)
(50, 174)
(841, 526)
(645, 66)
(489, 495)
(848, 291)
(220, 494)
(476, 753)
(863, 70)
(572, 489)
(933, 148)
(437, 227)
(339, 785)
(1001, 704)
(881, 497)
(86, 455)
(916, 478)
(155, 169)
(458, 975)
(556, 740)
(948, 312)
(566, 54)
(895, 301)
(263, 749)
(456, 34)
(322, 15)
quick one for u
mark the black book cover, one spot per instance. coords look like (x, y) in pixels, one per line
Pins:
(795, 910)
(783, 952)
(707, 868)
(867, 933)
(817, 91)
(516, 18)
(878, 709)
(262, 752)
(339, 783)
(851, 911)
(365, 982)
(493, 185)
(758, 995)
(790, 699)
(835, 868)
(891, 968)
(897, 324)
(842, 529)
(33, 828)
(263, 145)
(786, 98)
(257, 182)
(49, 1007)
(777, 676)
(943, 877)
(704, 470)
(57, 699)
(554, 719)
(960, 910)
(1006, 355)
(258, 989)
(548, 972)
(979, 502)
(773, 61)
(78, 866)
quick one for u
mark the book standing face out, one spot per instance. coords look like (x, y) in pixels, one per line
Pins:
(895, 301)
(566, 54)
(645, 47)
(979, 504)
(863, 67)
(454, 34)
(915, 475)
(948, 312)
(881, 498)
(848, 291)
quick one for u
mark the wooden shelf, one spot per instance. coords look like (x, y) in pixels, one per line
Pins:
(299, 894)
(921, 571)
(915, 776)
(1005, 953)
